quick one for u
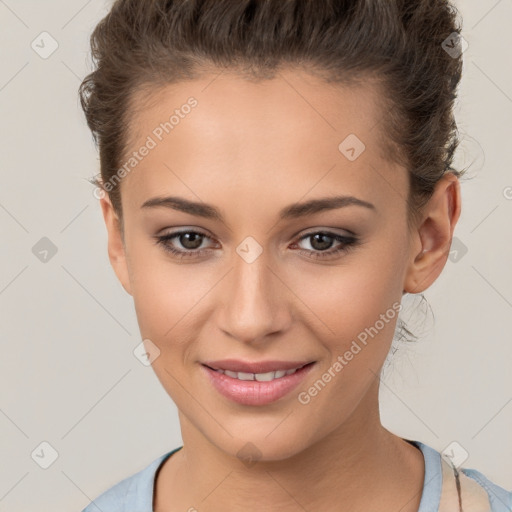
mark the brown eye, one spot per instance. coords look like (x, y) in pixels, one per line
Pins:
(190, 240)
(184, 244)
(321, 241)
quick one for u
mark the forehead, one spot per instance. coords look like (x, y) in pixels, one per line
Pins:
(271, 134)
(292, 102)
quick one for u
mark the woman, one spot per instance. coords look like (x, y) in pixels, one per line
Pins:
(275, 176)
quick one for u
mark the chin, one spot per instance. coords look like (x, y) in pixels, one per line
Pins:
(255, 447)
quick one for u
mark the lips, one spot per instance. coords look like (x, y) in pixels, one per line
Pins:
(259, 388)
(239, 366)
(260, 377)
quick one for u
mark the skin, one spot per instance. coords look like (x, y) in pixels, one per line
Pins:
(251, 149)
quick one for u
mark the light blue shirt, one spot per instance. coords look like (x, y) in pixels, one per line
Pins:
(135, 493)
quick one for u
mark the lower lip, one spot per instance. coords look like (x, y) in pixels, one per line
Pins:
(253, 392)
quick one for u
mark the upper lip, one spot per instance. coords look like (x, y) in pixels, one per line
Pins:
(236, 365)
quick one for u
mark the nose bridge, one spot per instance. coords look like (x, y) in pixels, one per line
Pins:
(254, 306)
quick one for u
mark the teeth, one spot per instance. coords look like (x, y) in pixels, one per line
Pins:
(260, 377)
(245, 376)
(265, 377)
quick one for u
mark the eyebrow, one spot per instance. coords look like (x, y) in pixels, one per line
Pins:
(292, 211)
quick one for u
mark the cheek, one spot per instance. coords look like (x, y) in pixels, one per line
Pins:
(172, 302)
(354, 293)
(163, 292)
(361, 295)
(357, 306)
(341, 301)
(166, 299)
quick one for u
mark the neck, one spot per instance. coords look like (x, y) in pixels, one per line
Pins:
(359, 466)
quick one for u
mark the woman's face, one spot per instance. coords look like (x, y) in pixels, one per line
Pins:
(250, 164)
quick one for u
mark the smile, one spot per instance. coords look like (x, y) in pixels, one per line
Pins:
(260, 377)
(256, 389)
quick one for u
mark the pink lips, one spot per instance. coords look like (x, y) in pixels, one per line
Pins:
(252, 392)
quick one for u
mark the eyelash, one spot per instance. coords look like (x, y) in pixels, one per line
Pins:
(348, 242)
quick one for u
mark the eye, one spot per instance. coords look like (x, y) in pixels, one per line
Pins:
(191, 242)
(320, 241)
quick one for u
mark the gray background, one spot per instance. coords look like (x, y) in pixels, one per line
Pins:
(68, 373)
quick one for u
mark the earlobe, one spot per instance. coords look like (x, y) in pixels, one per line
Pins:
(434, 235)
(116, 246)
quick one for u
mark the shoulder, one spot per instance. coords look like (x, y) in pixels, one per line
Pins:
(133, 494)
(463, 487)
(499, 498)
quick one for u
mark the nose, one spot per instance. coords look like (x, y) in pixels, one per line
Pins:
(254, 302)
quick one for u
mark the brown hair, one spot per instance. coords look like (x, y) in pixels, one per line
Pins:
(409, 49)
(399, 44)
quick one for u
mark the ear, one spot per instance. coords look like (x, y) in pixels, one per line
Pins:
(116, 245)
(432, 238)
